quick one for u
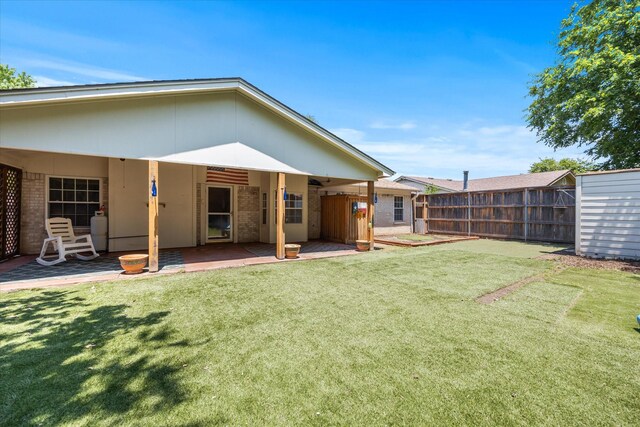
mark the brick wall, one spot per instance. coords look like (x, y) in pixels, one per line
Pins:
(32, 230)
(384, 211)
(248, 214)
(314, 216)
(32, 226)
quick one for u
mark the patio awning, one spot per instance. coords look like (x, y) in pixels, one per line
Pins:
(233, 155)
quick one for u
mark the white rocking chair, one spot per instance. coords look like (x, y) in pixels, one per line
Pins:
(65, 242)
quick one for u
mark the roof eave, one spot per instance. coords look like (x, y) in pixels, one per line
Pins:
(567, 173)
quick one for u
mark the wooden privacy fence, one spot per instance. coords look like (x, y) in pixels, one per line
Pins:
(338, 221)
(543, 213)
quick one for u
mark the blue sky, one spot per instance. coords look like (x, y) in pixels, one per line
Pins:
(428, 88)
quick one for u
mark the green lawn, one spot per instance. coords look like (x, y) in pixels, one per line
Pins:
(388, 337)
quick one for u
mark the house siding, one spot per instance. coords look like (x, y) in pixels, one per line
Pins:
(608, 215)
(384, 215)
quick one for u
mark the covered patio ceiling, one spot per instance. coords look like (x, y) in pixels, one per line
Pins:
(232, 155)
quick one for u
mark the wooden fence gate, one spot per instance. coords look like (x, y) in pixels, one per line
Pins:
(542, 213)
(10, 191)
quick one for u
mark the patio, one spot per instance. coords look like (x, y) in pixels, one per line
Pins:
(24, 272)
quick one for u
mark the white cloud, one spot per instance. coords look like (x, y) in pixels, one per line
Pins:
(482, 149)
(43, 81)
(38, 36)
(81, 69)
(407, 125)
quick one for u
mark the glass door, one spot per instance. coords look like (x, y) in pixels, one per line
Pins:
(219, 214)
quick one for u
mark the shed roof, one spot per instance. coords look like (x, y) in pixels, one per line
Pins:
(540, 179)
(609, 172)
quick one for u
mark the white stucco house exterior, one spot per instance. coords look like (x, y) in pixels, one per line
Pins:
(221, 145)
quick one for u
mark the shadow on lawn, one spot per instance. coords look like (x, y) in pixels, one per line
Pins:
(64, 370)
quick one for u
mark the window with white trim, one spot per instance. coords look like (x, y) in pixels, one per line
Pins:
(292, 208)
(398, 208)
(73, 198)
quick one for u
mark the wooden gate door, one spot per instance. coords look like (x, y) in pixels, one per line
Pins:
(10, 191)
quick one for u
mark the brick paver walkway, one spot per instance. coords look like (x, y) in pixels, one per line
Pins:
(25, 273)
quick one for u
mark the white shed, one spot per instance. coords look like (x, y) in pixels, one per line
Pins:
(608, 214)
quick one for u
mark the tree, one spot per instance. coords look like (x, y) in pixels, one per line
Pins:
(9, 79)
(430, 189)
(591, 96)
(551, 164)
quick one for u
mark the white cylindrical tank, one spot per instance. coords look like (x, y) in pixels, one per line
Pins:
(99, 226)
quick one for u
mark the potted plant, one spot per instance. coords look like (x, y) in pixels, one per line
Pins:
(291, 250)
(363, 245)
(133, 263)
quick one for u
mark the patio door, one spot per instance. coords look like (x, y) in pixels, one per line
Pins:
(219, 214)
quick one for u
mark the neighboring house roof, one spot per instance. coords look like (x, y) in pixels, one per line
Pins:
(388, 184)
(442, 183)
(381, 184)
(540, 179)
(65, 94)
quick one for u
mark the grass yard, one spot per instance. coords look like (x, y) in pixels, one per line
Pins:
(389, 337)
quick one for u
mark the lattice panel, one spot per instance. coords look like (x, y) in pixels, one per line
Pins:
(10, 191)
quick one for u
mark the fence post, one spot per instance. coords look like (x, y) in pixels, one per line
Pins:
(425, 213)
(526, 214)
(468, 213)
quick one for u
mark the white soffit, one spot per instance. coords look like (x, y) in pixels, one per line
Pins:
(233, 155)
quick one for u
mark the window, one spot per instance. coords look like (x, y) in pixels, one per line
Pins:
(264, 208)
(398, 208)
(73, 198)
(292, 208)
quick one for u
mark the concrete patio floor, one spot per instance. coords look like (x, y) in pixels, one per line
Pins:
(25, 273)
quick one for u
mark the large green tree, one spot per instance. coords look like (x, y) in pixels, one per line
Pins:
(550, 164)
(11, 79)
(591, 96)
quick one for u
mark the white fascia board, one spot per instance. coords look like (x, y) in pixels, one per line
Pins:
(79, 93)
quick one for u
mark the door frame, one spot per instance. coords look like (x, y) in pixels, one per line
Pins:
(208, 240)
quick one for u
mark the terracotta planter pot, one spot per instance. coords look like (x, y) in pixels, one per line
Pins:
(363, 245)
(133, 263)
(291, 250)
